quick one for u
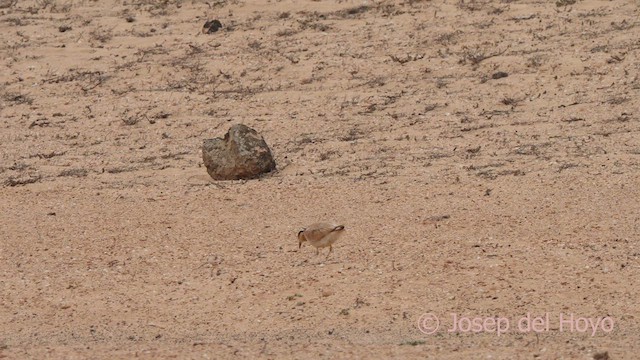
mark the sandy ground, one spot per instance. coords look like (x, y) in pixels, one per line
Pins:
(484, 157)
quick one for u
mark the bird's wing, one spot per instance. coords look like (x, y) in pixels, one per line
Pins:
(317, 231)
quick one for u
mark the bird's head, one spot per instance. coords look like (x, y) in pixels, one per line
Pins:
(301, 238)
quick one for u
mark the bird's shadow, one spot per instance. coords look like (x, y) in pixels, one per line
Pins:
(314, 262)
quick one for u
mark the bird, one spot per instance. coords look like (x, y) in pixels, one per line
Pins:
(320, 235)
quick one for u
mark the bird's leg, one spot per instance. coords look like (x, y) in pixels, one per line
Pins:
(317, 251)
(329, 253)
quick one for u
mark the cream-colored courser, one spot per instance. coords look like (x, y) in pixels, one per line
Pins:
(321, 235)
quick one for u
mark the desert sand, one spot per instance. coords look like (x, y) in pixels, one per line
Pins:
(484, 157)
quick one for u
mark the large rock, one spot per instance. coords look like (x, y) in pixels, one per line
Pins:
(242, 154)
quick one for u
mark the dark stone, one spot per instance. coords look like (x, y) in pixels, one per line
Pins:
(241, 154)
(499, 75)
(211, 26)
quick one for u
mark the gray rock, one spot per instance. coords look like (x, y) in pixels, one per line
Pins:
(242, 154)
